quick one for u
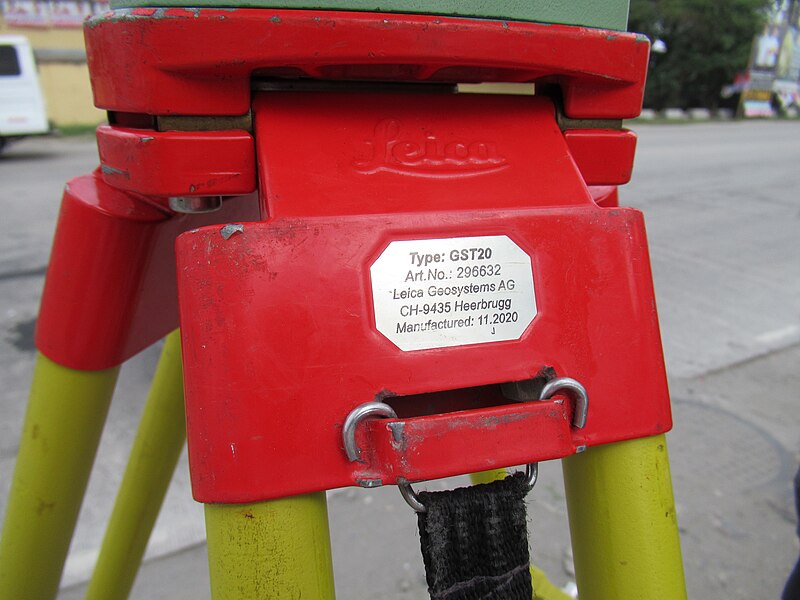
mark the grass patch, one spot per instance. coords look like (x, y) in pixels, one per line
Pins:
(75, 130)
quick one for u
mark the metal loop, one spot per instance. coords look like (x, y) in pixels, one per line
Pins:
(411, 498)
(531, 474)
(369, 409)
(578, 393)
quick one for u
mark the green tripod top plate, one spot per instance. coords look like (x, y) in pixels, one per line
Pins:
(602, 14)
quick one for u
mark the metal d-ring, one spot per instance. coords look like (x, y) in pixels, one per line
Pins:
(358, 414)
(369, 409)
(411, 498)
(531, 474)
(574, 389)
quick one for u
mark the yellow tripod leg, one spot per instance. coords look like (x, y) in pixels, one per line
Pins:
(66, 413)
(275, 550)
(155, 452)
(488, 476)
(623, 524)
(544, 589)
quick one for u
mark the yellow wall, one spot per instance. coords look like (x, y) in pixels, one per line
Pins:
(66, 87)
(68, 94)
(46, 37)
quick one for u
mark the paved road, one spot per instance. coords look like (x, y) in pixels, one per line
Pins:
(723, 216)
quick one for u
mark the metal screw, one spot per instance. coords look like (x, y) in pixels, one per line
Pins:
(195, 204)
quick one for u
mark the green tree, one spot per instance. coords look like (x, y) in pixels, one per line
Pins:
(707, 43)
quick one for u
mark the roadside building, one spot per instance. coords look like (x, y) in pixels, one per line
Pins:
(772, 81)
(55, 31)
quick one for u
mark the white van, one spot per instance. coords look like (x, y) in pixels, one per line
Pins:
(22, 110)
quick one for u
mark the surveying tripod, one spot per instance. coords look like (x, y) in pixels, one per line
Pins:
(374, 275)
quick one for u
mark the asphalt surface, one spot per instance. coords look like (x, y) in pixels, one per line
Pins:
(722, 205)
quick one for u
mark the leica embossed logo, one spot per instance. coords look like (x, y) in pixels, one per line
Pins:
(426, 156)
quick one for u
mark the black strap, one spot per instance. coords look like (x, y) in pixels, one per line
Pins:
(475, 542)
